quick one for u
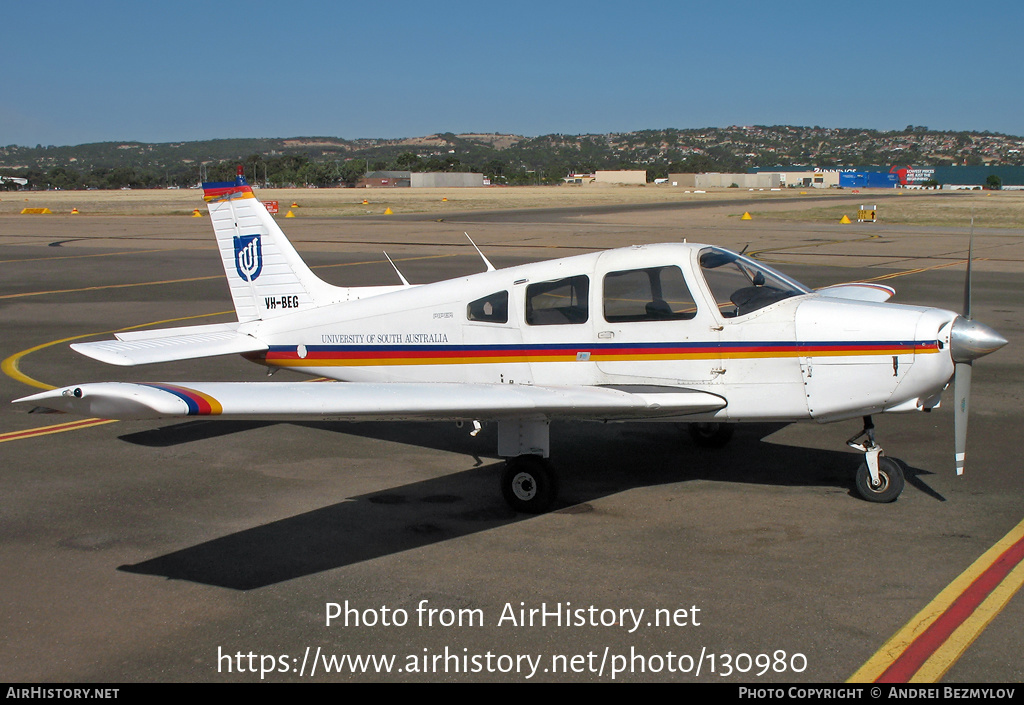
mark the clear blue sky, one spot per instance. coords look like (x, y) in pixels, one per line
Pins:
(109, 71)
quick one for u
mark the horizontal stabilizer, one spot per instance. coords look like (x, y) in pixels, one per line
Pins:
(350, 401)
(148, 334)
(145, 349)
(859, 291)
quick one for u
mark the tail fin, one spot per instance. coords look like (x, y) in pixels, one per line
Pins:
(266, 276)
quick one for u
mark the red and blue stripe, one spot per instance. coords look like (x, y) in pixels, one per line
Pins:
(369, 355)
(226, 190)
(198, 403)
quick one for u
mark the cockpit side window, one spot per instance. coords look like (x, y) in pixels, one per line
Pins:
(558, 302)
(741, 285)
(490, 309)
(649, 294)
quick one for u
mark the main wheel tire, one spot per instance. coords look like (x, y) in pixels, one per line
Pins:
(890, 481)
(528, 484)
(711, 434)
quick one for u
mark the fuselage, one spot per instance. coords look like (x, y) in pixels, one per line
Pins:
(670, 315)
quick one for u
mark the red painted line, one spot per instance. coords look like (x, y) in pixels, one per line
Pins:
(914, 656)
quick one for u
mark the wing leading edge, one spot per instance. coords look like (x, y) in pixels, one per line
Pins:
(347, 401)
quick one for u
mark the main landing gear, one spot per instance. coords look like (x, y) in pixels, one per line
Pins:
(711, 434)
(879, 479)
(529, 484)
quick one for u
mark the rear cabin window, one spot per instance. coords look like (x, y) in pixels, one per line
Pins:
(489, 309)
(650, 294)
(559, 302)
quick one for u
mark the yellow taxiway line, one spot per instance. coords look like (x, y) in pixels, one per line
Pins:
(101, 254)
(58, 428)
(936, 637)
(11, 368)
(195, 279)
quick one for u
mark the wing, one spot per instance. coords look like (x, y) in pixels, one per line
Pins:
(144, 347)
(349, 401)
(859, 291)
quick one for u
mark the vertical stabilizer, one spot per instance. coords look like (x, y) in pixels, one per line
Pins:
(266, 276)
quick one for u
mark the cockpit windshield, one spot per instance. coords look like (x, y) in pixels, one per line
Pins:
(741, 286)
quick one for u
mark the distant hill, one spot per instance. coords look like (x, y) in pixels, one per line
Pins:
(504, 158)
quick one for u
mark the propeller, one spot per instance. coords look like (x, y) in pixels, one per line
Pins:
(968, 341)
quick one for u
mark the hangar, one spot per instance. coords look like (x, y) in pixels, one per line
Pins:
(445, 179)
(868, 179)
(414, 179)
(620, 177)
(717, 180)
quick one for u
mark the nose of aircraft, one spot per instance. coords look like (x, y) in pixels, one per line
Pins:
(970, 340)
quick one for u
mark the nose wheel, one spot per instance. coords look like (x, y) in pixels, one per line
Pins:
(888, 485)
(879, 479)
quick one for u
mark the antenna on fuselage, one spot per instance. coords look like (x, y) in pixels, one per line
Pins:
(405, 281)
(490, 267)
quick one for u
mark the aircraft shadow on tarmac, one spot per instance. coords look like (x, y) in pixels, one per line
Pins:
(592, 460)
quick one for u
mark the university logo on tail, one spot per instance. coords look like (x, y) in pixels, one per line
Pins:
(248, 256)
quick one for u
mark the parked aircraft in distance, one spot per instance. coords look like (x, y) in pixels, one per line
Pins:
(670, 333)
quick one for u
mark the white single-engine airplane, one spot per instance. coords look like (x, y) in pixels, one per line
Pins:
(669, 332)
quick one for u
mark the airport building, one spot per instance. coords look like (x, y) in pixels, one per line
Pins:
(435, 179)
(445, 179)
(821, 178)
(717, 180)
(804, 178)
(579, 179)
(868, 179)
(384, 179)
(620, 177)
(905, 176)
(616, 177)
(959, 176)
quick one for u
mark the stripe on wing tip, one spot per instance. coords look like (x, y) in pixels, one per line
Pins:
(198, 403)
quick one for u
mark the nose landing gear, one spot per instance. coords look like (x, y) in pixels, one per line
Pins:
(879, 479)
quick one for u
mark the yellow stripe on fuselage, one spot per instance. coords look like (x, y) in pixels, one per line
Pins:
(593, 357)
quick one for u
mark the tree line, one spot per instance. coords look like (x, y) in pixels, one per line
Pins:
(291, 170)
